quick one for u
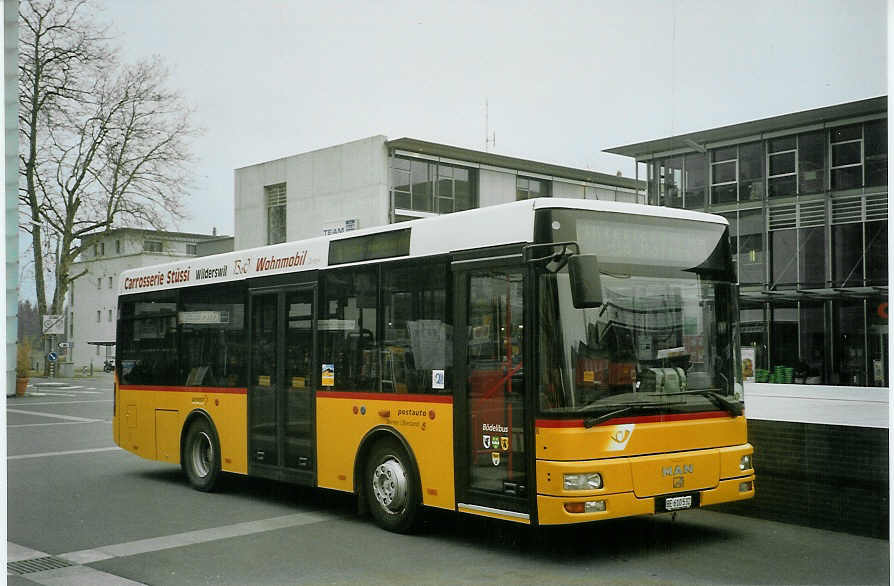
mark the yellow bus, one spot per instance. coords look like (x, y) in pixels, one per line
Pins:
(545, 362)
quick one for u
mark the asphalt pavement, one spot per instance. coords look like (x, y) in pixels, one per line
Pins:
(82, 511)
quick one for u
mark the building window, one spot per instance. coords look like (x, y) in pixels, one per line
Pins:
(527, 188)
(724, 170)
(812, 162)
(747, 245)
(875, 145)
(99, 282)
(737, 173)
(428, 186)
(192, 249)
(110, 315)
(275, 197)
(98, 316)
(152, 246)
(102, 249)
(782, 166)
(110, 282)
(751, 171)
(117, 247)
(71, 326)
(678, 182)
(694, 174)
(783, 259)
(847, 157)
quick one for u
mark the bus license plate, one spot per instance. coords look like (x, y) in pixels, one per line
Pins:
(676, 503)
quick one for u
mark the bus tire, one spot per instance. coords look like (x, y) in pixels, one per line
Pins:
(391, 491)
(201, 455)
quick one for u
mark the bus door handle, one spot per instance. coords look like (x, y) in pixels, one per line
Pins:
(386, 413)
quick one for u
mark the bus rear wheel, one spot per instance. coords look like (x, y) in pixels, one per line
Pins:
(391, 488)
(201, 455)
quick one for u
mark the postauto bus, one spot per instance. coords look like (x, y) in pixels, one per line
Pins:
(546, 362)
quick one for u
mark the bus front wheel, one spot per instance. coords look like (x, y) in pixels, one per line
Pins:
(391, 489)
(201, 455)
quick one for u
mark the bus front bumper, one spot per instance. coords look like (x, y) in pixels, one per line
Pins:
(554, 510)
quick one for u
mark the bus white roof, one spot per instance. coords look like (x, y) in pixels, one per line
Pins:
(509, 223)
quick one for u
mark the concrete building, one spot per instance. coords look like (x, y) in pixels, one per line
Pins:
(806, 195)
(376, 181)
(92, 301)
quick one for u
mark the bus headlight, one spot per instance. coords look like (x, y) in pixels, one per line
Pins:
(745, 462)
(589, 481)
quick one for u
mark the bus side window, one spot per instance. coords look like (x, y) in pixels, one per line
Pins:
(212, 336)
(347, 328)
(418, 338)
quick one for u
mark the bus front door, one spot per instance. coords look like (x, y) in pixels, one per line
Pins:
(281, 433)
(490, 430)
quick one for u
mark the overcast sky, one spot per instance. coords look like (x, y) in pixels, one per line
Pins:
(564, 80)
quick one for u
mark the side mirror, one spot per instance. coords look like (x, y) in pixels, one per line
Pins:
(586, 284)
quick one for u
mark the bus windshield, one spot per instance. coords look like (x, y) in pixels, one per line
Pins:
(663, 339)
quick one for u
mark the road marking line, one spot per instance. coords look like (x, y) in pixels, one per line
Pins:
(72, 402)
(58, 423)
(141, 546)
(18, 553)
(78, 575)
(51, 415)
(48, 454)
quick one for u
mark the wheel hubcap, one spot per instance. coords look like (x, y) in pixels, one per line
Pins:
(202, 454)
(390, 485)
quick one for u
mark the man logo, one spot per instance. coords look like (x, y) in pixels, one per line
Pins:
(677, 470)
(504, 443)
(495, 458)
(486, 442)
(678, 482)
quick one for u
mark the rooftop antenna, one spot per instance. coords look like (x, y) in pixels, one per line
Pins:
(490, 138)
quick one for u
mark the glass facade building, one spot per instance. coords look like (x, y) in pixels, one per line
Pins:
(806, 195)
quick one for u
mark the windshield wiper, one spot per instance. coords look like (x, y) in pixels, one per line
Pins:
(734, 408)
(630, 408)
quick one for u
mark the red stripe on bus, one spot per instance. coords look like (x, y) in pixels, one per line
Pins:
(385, 397)
(226, 390)
(563, 423)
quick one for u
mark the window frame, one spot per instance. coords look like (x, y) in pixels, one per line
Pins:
(153, 246)
(275, 202)
(831, 153)
(793, 174)
(735, 181)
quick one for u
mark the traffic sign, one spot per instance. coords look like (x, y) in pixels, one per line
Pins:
(54, 324)
(52, 357)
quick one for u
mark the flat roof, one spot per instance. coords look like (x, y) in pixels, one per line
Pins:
(804, 118)
(158, 233)
(414, 145)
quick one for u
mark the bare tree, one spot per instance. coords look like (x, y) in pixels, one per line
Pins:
(58, 45)
(110, 148)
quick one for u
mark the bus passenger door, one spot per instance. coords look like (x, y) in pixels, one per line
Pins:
(281, 433)
(491, 459)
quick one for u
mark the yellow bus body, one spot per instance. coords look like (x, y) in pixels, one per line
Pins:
(631, 457)
(149, 422)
